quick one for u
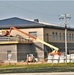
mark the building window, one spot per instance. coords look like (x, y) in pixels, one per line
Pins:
(60, 36)
(56, 36)
(53, 36)
(64, 36)
(67, 37)
(33, 34)
(70, 37)
(9, 55)
(47, 37)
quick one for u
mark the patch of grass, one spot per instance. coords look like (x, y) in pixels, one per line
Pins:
(43, 67)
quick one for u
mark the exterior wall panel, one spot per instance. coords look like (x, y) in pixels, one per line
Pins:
(27, 30)
(58, 31)
(39, 50)
(59, 43)
(22, 51)
(3, 53)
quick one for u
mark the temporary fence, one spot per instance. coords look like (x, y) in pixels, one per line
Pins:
(60, 59)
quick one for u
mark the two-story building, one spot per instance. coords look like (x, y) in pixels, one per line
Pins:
(15, 48)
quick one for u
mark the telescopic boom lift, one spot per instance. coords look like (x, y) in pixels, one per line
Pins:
(55, 49)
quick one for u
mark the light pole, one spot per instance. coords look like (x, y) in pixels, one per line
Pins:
(65, 17)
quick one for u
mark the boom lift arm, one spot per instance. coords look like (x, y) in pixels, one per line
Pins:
(55, 49)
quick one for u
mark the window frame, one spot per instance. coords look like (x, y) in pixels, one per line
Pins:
(33, 33)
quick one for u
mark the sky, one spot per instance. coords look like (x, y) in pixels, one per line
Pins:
(48, 11)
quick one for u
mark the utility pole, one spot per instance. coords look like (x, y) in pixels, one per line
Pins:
(65, 17)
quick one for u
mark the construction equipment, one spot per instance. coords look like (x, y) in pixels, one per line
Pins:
(31, 58)
(55, 49)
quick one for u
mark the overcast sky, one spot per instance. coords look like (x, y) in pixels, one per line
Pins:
(44, 10)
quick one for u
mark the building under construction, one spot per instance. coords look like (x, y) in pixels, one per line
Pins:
(20, 37)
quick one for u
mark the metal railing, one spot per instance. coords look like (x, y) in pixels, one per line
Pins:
(20, 40)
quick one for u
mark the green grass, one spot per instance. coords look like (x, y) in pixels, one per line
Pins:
(43, 67)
